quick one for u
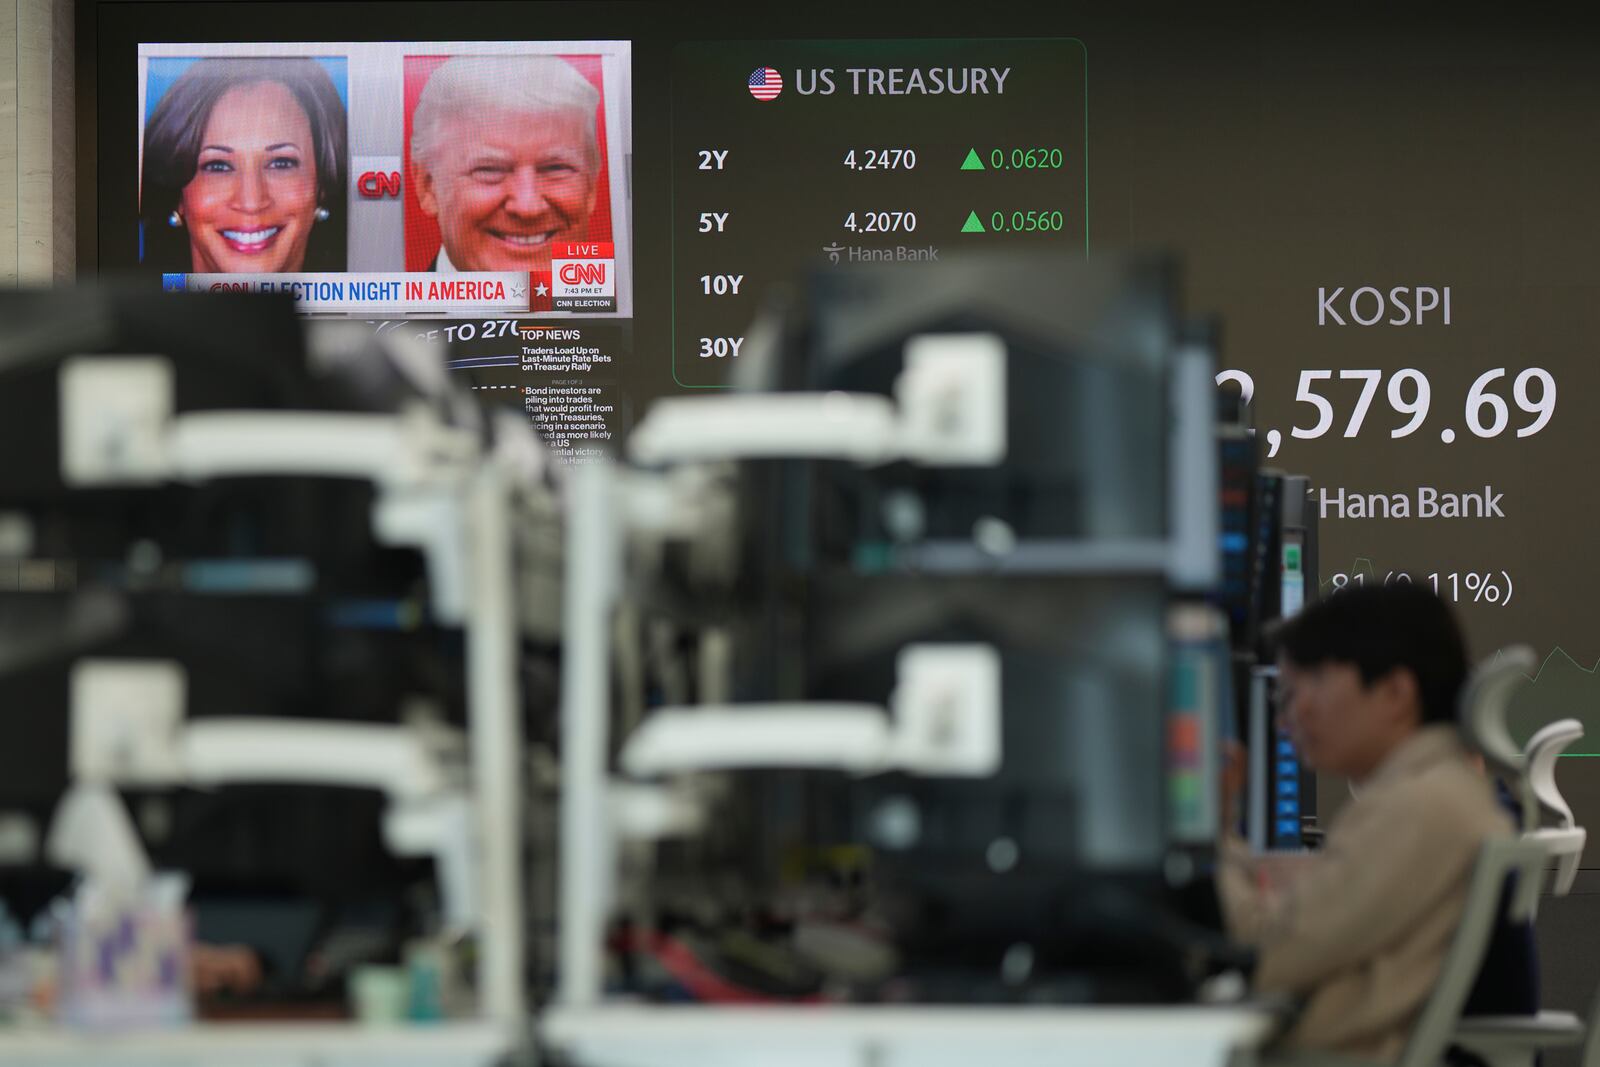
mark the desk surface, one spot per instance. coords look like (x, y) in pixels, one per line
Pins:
(696, 1036)
(921, 1036)
(469, 1044)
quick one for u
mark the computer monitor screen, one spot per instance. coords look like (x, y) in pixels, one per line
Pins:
(1236, 477)
(1292, 574)
(1200, 719)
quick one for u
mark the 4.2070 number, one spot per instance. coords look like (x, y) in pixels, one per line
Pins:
(881, 221)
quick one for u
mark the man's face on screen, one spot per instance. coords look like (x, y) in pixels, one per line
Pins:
(506, 185)
(249, 207)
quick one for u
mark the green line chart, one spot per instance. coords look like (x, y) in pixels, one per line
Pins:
(1561, 688)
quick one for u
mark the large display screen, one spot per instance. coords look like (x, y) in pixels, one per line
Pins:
(1390, 214)
(489, 193)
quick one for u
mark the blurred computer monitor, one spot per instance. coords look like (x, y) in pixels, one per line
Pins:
(1064, 849)
(272, 594)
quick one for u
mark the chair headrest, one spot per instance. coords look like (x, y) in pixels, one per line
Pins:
(1543, 749)
(1484, 702)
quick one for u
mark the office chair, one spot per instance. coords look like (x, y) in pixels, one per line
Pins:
(1516, 1040)
(1436, 1028)
(1528, 773)
(1481, 715)
(1564, 841)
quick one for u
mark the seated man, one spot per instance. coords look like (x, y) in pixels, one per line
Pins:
(1369, 679)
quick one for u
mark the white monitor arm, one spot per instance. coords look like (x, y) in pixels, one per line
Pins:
(128, 729)
(442, 488)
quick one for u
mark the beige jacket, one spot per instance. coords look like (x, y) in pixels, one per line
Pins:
(1360, 929)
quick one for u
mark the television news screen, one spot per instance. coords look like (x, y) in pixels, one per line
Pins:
(422, 178)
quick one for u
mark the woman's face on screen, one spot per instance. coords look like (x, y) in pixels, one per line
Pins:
(250, 206)
(508, 185)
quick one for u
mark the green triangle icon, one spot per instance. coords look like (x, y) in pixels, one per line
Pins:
(972, 225)
(972, 162)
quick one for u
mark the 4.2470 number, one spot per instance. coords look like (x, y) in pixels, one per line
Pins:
(881, 159)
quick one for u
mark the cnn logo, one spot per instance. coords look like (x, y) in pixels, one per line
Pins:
(583, 273)
(379, 184)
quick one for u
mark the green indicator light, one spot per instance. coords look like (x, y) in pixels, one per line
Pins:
(972, 225)
(972, 162)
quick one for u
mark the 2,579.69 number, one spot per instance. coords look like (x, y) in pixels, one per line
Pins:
(1485, 411)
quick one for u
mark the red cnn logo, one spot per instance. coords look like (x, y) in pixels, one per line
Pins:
(583, 273)
(377, 184)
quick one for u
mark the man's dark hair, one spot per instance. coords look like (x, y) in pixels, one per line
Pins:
(172, 151)
(1377, 628)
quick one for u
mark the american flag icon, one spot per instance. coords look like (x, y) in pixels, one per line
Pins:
(765, 83)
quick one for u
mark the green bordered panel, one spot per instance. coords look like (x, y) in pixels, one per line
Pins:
(795, 156)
